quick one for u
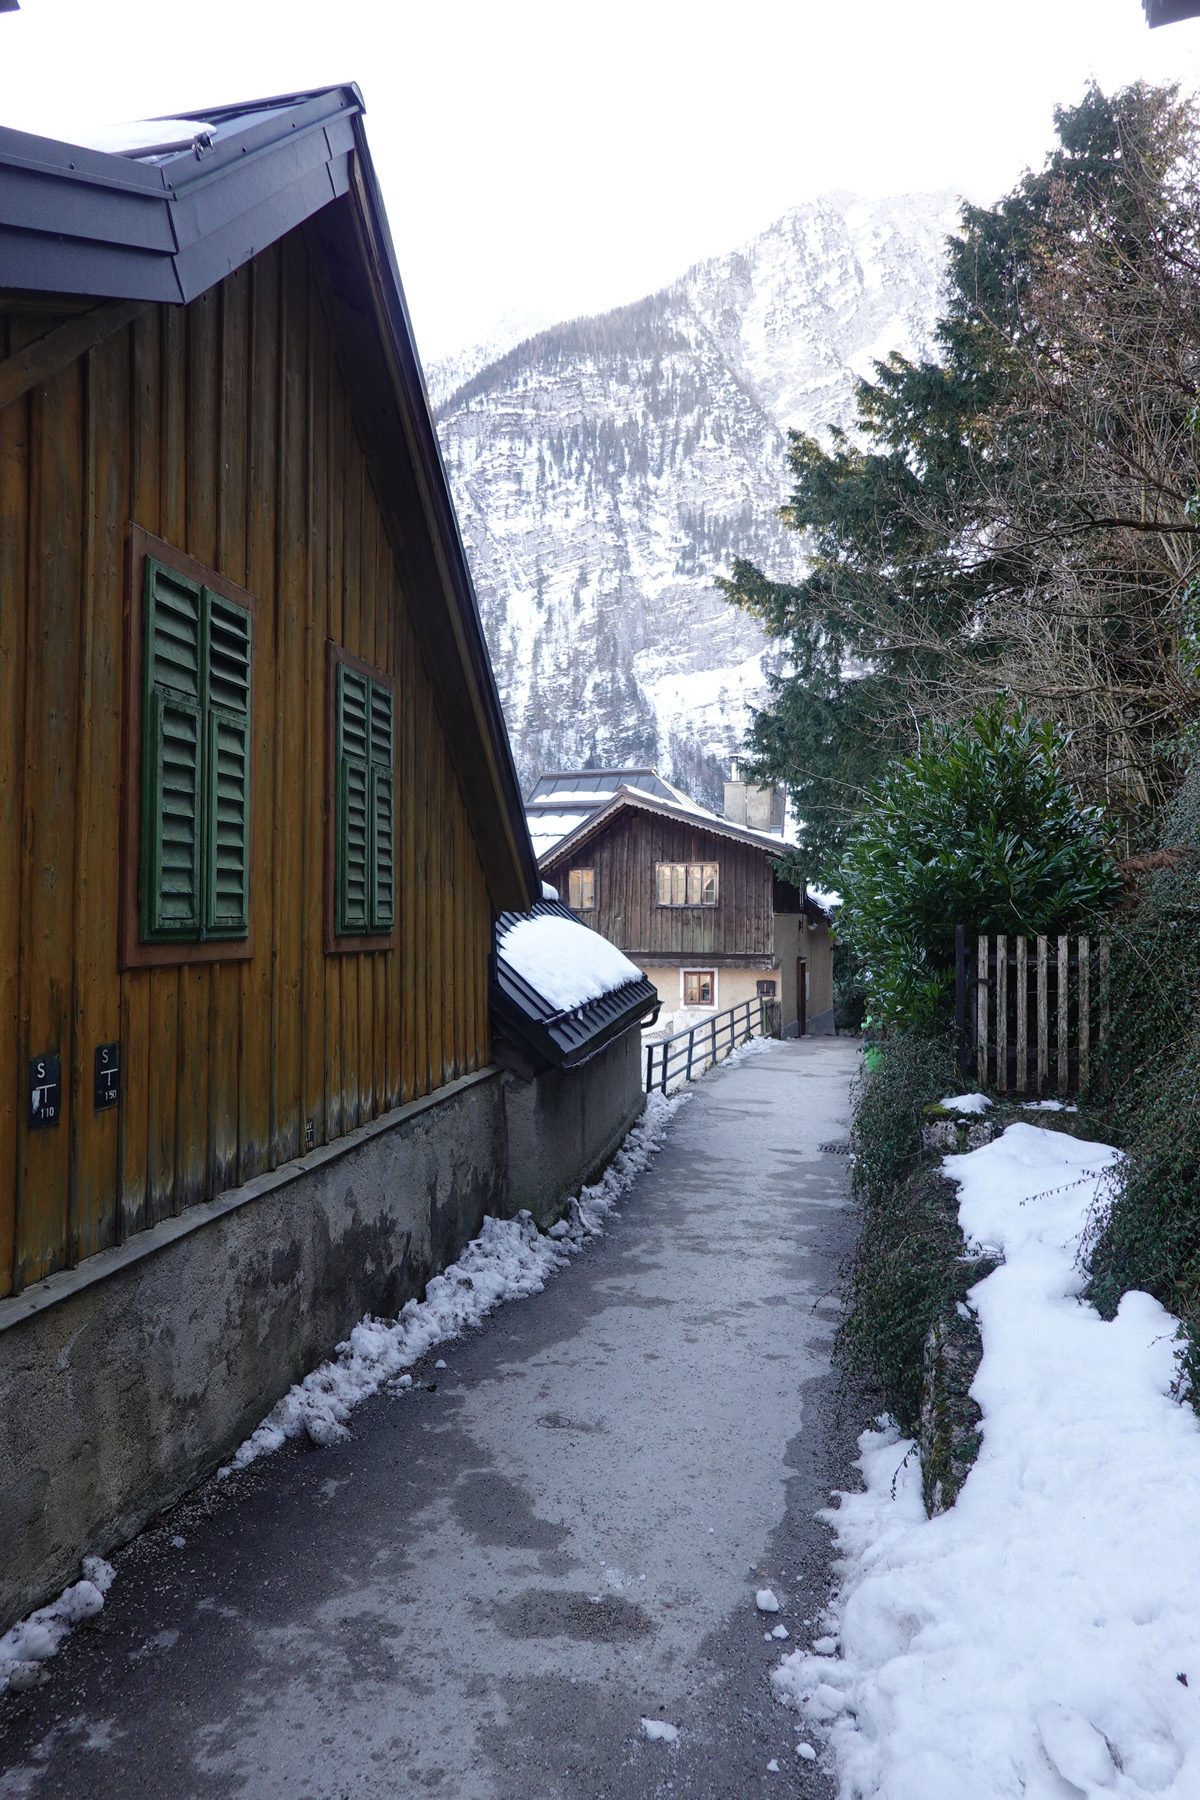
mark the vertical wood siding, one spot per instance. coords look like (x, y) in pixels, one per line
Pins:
(224, 428)
(624, 855)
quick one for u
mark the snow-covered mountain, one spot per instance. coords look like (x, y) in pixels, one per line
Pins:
(606, 469)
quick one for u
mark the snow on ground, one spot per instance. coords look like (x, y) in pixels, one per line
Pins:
(509, 1260)
(966, 1103)
(566, 963)
(32, 1641)
(1041, 1639)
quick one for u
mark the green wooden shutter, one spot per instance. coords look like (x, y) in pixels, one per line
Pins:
(227, 752)
(172, 752)
(353, 801)
(383, 850)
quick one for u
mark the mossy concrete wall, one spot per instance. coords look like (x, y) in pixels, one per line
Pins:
(564, 1127)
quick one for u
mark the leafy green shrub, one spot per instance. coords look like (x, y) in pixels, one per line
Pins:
(907, 1264)
(1146, 1234)
(911, 1071)
(978, 829)
(849, 993)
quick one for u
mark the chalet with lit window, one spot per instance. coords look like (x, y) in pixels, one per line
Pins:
(694, 899)
(259, 817)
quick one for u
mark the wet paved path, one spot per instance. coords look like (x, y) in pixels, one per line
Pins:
(480, 1595)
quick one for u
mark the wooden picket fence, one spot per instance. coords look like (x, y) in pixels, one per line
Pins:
(1032, 1012)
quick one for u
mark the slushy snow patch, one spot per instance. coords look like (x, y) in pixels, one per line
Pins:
(1035, 1635)
(565, 962)
(509, 1260)
(966, 1103)
(658, 1731)
(30, 1642)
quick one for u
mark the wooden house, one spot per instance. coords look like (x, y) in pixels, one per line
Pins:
(258, 808)
(693, 899)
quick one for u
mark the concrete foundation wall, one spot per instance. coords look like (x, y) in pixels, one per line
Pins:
(564, 1127)
(788, 933)
(128, 1380)
(820, 981)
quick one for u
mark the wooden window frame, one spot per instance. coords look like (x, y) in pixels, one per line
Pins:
(132, 953)
(581, 872)
(341, 944)
(685, 903)
(699, 974)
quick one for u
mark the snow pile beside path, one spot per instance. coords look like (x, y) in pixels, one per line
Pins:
(509, 1260)
(1037, 1635)
(565, 962)
(30, 1642)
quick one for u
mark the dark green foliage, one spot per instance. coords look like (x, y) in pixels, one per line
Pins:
(921, 525)
(906, 1269)
(1147, 1234)
(849, 991)
(912, 1071)
(908, 1264)
(977, 829)
(821, 736)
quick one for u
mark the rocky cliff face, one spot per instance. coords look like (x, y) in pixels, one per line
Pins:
(607, 469)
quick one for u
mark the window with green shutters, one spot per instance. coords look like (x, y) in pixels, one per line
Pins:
(365, 800)
(195, 838)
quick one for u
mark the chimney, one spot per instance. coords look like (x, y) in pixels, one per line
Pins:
(759, 808)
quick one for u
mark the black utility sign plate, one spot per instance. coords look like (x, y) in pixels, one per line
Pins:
(45, 1092)
(106, 1087)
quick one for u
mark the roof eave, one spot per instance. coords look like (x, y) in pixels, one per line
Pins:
(456, 646)
(535, 1036)
(634, 800)
(77, 221)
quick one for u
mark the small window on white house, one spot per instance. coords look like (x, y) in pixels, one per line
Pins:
(699, 987)
(686, 884)
(581, 890)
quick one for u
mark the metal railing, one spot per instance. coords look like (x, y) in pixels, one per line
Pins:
(701, 1045)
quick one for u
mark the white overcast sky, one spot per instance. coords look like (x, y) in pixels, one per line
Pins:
(542, 159)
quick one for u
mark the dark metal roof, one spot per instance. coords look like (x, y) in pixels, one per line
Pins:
(166, 222)
(594, 786)
(1169, 12)
(555, 1037)
(165, 219)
